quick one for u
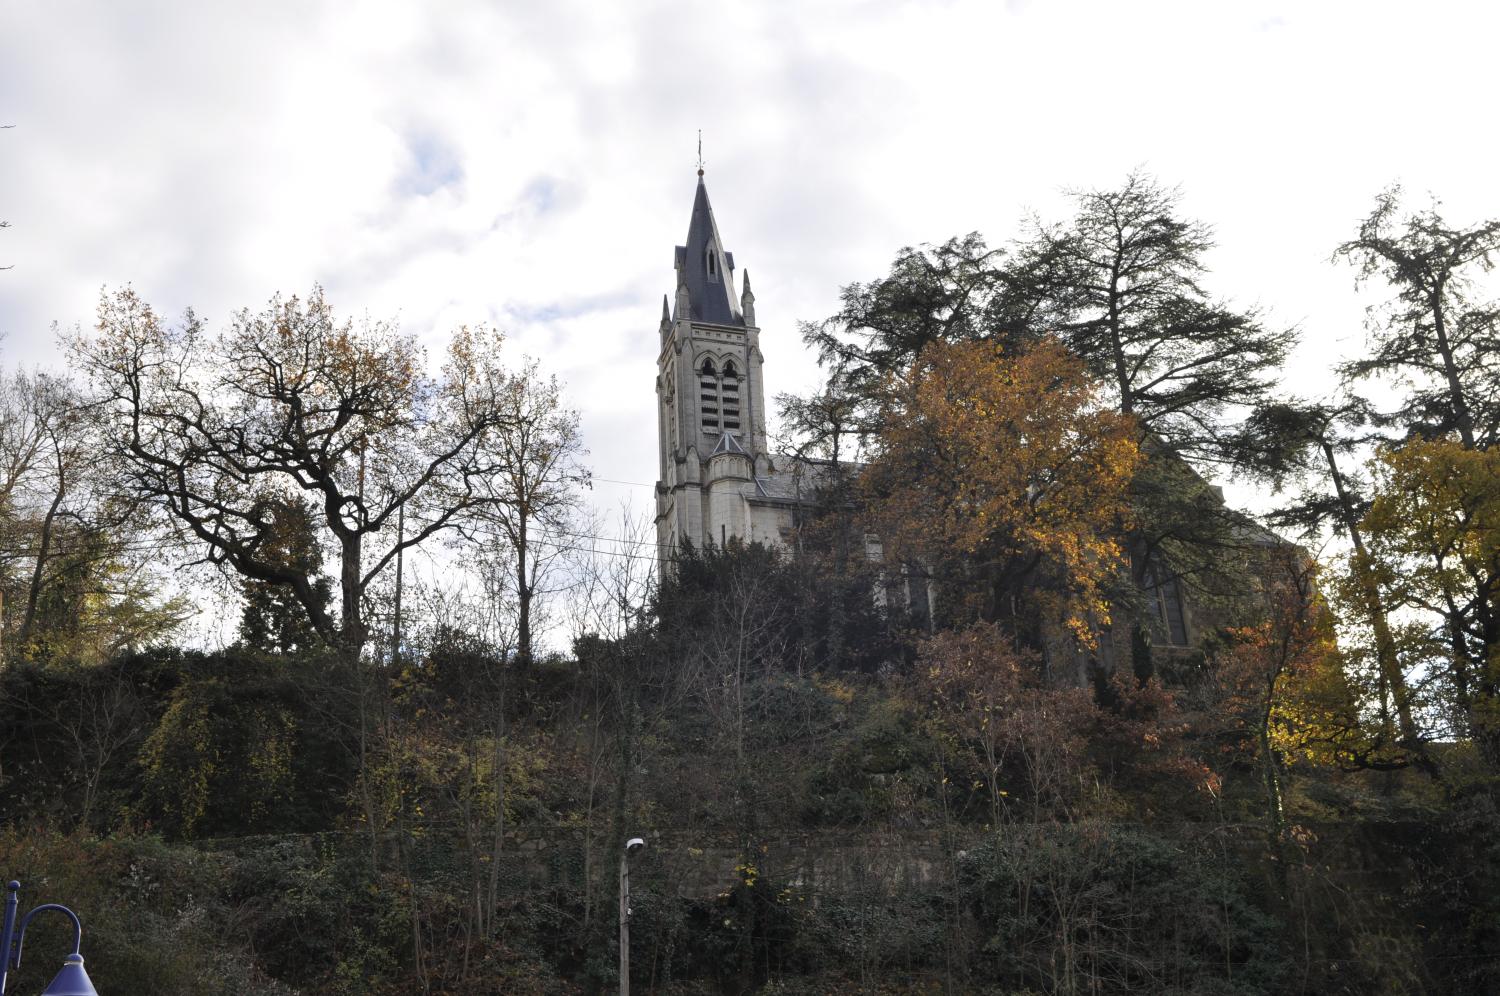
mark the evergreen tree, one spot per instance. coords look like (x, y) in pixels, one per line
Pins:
(1123, 278)
(1317, 448)
(1437, 340)
(273, 620)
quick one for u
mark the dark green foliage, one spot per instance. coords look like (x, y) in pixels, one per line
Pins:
(958, 291)
(274, 621)
(853, 764)
(1455, 894)
(157, 919)
(1437, 337)
(185, 743)
(805, 617)
(1126, 282)
(324, 917)
(873, 771)
(1316, 447)
(1118, 283)
(1110, 908)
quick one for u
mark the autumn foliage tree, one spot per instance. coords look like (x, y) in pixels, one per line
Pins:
(1121, 283)
(1434, 532)
(1004, 472)
(1318, 447)
(76, 558)
(1017, 732)
(1277, 691)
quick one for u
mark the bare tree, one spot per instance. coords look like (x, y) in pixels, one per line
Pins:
(23, 431)
(75, 556)
(99, 724)
(62, 450)
(537, 488)
(218, 429)
(22, 436)
(613, 575)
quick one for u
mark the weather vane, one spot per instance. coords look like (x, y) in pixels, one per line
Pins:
(700, 151)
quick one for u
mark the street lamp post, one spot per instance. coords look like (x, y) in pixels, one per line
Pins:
(631, 846)
(72, 980)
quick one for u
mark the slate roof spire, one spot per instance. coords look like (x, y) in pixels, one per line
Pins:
(706, 268)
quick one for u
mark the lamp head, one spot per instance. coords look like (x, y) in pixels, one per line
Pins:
(72, 980)
(633, 845)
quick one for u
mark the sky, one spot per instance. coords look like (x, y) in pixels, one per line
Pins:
(531, 165)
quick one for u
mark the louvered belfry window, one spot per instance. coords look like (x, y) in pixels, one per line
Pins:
(708, 396)
(719, 397)
(729, 395)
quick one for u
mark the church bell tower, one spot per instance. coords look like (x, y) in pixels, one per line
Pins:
(709, 395)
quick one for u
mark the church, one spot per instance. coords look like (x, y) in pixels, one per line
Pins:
(717, 480)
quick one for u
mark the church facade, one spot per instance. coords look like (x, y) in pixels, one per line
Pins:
(717, 481)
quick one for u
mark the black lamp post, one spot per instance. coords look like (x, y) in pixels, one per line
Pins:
(72, 980)
(633, 845)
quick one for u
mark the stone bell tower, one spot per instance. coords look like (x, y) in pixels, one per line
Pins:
(710, 397)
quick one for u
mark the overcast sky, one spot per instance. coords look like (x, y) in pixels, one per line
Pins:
(531, 165)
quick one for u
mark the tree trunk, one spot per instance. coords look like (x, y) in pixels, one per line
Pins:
(34, 591)
(1450, 370)
(1387, 662)
(351, 633)
(523, 595)
(497, 847)
(1117, 347)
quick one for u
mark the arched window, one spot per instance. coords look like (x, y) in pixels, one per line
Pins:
(708, 395)
(711, 263)
(1165, 603)
(729, 394)
(670, 396)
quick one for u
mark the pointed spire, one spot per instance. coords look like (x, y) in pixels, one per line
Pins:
(666, 314)
(747, 302)
(684, 296)
(707, 269)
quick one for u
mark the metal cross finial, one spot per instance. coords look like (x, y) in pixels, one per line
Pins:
(700, 151)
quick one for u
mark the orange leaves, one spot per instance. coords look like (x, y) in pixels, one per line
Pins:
(1009, 461)
(1058, 743)
(1279, 685)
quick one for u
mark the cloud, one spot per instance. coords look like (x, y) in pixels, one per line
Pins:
(434, 165)
(531, 165)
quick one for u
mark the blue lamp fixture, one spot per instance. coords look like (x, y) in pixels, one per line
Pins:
(72, 980)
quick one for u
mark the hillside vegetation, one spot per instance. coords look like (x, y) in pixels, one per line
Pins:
(1019, 706)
